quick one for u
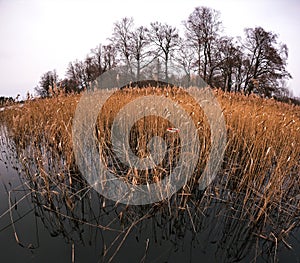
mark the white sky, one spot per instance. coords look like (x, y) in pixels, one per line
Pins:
(41, 35)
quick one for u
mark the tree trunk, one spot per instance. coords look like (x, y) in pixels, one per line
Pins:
(166, 68)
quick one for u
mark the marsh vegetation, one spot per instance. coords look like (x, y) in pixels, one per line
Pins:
(248, 211)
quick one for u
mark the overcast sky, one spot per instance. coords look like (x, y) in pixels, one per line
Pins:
(37, 36)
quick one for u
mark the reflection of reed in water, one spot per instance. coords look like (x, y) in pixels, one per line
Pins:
(249, 210)
(214, 218)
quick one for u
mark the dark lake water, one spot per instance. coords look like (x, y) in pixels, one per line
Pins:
(35, 229)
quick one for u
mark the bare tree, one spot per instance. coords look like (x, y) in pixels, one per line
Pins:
(185, 59)
(230, 64)
(122, 34)
(81, 73)
(109, 57)
(265, 63)
(202, 29)
(76, 71)
(68, 86)
(48, 83)
(103, 59)
(98, 59)
(165, 37)
(141, 53)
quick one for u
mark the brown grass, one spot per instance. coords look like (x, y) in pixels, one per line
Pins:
(260, 172)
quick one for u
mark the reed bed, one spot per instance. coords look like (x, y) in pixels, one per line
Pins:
(258, 182)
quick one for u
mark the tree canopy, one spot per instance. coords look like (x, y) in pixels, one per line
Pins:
(255, 63)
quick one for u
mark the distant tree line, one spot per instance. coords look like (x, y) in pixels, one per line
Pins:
(6, 100)
(253, 64)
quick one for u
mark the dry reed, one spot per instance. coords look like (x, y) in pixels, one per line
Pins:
(259, 176)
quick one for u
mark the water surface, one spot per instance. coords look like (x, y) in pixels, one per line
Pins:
(34, 228)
